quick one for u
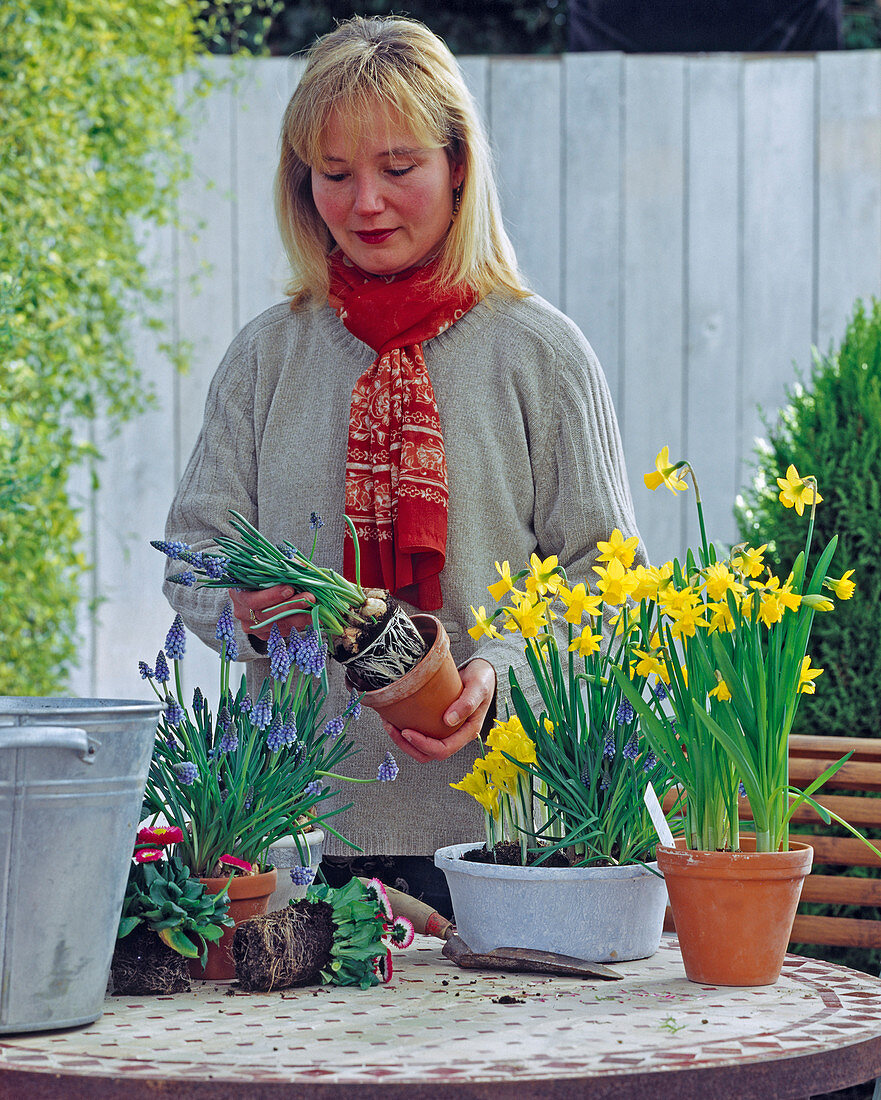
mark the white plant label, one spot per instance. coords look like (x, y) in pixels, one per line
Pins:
(657, 816)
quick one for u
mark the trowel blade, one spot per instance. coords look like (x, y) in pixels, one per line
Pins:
(526, 959)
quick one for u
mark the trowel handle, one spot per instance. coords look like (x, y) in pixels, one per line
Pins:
(425, 920)
(49, 737)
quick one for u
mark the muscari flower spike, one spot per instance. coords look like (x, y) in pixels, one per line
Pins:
(302, 876)
(214, 565)
(315, 521)
(609, 748)
(176, 640)
(261, 715)
(187, 579)
(192, 557)
(186, 771)
(145, 670)
(660, 690)
(225, 630)
(631, 749)
(247, 704)
(274, 735)
(388, 769)
(353, 709)
(289, 733)
(162, 673)
(229, 742)
(334, 727)
(279, 660)
(174, 712)
(315, 787)
(624, 714)
(172, 548)
(650, 761)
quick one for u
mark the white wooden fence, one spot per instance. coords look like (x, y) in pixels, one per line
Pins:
(704, 219)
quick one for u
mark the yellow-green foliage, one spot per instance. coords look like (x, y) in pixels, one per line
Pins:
(89, 149)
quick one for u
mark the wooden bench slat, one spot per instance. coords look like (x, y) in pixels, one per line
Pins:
(842, 890)
(860, 776)
(836, 931)
(864, 748)
(844, 851)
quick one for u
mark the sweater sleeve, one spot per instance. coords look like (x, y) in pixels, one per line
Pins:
(581, 495)
(220, 475)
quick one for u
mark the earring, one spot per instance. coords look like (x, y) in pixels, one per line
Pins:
(457, 199)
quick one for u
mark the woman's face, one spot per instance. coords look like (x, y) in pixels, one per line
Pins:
(388, 201)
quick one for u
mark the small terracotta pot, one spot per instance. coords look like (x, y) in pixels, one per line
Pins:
(734, 910)
(419, 698)
(249, 897)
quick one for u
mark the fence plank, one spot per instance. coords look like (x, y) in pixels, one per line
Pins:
(260, 270)
(778, 233)
(525, 125)
(848, 187)
(704, 220)
(591, 293)
(653, 185)
(712, 368)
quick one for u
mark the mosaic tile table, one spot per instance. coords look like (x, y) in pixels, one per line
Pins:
(436, 1032)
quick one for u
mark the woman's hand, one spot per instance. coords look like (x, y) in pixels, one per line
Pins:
(251, 608)
(479, 688)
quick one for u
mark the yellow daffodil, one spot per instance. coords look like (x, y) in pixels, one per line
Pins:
(626, 621)
(483, 628)
(665, 473)
(528, 618)
(818, 602)
(796, 491)
(686, 620)
(618, 549)
(615, 582)
(806, 677)
(719, 580)
(579, 601)
(646, 580)
(721, 618)
(586, 643)
(543, 576)
(720, 691)
(501, 772)
(477, 785)
(502, 587)
(843, 587)
(650, 663)
(749, 561)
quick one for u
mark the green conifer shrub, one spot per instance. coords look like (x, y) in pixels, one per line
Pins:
(831, 428)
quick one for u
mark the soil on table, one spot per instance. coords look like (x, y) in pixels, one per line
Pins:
(143, 964)
(507, 854)
(283, 949)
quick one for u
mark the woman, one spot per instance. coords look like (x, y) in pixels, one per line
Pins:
(462, 419)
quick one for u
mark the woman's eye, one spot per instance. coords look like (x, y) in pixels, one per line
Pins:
(334, 177)
(401, 171)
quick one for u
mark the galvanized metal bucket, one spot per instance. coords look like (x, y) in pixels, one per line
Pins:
(72, 775)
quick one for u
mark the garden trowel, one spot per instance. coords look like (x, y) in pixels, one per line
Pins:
(429, 922)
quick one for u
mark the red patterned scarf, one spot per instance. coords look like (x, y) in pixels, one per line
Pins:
(396, 470)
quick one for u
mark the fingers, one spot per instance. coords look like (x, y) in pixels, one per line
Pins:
(252, 608)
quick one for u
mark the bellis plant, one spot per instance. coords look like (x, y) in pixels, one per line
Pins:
(572, 769)
(163, 895)
(728, 640)
(235, 782)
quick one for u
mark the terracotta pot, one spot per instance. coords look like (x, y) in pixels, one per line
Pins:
(419, 698)
(249, 896)
(734, 910)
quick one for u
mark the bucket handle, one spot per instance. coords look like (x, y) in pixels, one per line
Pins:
(50, 737)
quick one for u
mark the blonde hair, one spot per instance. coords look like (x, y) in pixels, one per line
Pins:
(401, 64)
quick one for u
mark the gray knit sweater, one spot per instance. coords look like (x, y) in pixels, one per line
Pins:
(534, 463)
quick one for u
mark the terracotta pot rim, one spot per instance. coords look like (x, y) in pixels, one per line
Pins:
(753, 865)
(244, 886)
